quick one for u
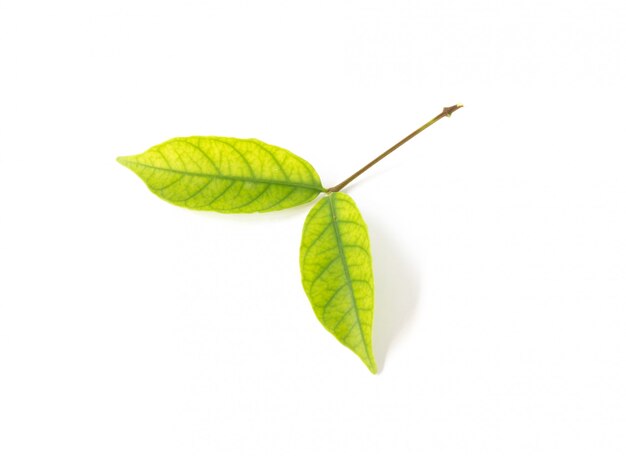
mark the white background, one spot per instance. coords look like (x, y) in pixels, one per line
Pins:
(132, 327)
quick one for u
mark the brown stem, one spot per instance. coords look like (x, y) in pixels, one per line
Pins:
(447, 112)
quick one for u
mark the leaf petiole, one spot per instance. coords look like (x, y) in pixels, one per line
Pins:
(446, 112)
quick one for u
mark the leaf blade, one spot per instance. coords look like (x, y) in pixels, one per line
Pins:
(226, 175)
(337, 275)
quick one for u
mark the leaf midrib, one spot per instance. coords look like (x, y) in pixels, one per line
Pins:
(124, 161)
(333, 214)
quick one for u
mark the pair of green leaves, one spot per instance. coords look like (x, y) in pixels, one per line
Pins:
(246, 175)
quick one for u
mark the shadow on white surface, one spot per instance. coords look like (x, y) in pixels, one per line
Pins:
(397, 291)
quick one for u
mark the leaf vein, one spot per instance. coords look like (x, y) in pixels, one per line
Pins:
(316, 240)
(321, 273)
(202, 151)
(346, 270)
(291, 192)
(267, 187)
(255, 180)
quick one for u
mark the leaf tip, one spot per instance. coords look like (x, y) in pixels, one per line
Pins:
(369, 360)
(122, 160)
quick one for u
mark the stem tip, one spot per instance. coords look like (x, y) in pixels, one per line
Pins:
(450, 109)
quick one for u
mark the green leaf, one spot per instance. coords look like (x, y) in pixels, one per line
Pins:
(226, 174)
(336, 267)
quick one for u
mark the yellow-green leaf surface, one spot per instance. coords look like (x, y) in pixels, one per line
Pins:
(336, 267)
(226, 174)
